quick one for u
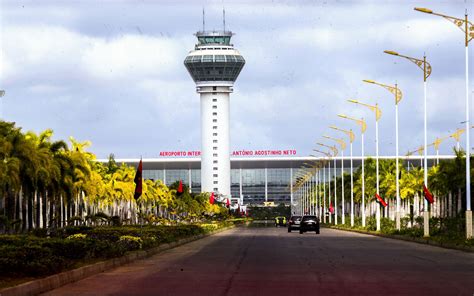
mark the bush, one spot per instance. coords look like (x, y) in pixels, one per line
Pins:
(29, 260)
(77, 236)
(130, 243)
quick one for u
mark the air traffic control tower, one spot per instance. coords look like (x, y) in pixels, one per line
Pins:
(214, 65)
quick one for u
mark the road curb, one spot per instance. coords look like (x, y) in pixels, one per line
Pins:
(55, 281)
(408, 239)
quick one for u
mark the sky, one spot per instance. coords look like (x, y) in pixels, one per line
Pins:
(112, 72)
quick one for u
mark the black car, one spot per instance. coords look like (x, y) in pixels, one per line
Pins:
(294, 223)
(309, 223)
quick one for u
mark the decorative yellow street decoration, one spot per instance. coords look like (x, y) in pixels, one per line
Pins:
(361, 122)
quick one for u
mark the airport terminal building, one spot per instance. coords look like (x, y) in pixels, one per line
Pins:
(256, 177)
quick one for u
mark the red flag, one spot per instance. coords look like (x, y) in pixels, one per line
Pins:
(331, 209)
(211, 199)
(380, 200)
(227, 203)
(428, 195)
(180, 187)
(138, 180)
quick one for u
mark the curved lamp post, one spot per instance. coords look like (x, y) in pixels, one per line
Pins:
(334, 151)
(343, 147)
(378, 113)
(426, 67)
(363, 128)
(351, 140)
(328, 155)
(398, 96)
(468, 28)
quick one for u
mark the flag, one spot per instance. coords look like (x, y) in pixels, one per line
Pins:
(180, 187)
(227, 203)
(380, 200)
(428, 195)
(211, 199)
(331, 209)
(138, 180)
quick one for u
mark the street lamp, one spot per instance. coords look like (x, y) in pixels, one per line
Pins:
(378, 114)
(398, 96)
(343, 147)
(334, 151)
(436, 143)
(457, 136)
(363, 127)
(327, 154)
(468, 36)
(351, 139)
(426, 67)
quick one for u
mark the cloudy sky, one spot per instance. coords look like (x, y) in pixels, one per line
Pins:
(112, 71)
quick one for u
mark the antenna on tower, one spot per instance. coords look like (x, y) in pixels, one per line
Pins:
(203, 20)
(223, 17)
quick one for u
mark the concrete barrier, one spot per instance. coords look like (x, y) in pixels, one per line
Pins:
(55, 281)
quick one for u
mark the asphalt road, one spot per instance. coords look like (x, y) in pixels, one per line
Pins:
(271, 261)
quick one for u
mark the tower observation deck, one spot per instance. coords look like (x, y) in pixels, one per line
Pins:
(214, 65)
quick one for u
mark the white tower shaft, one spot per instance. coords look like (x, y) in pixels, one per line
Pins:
(215, 140)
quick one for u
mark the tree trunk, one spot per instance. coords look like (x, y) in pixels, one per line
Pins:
(450, 204)
(459, 202)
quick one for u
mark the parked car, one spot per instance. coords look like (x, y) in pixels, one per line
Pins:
(280, 221)
(294, 223)
(309, 223)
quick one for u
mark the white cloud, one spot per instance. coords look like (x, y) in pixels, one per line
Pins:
(132, 57)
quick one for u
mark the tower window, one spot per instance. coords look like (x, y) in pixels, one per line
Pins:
(214, 107)
(215, 175)
(214, 127)
(214, 141)
(214, 168)
(215, 154)
(214, 134)
(214, 100)
(214, 88)
(215, 161)
(214, 120)
(214, 148)
(214, 93)
(215, 182)
(214, 113)
(216, 189)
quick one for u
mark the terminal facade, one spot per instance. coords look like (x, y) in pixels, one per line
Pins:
(254, 180)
